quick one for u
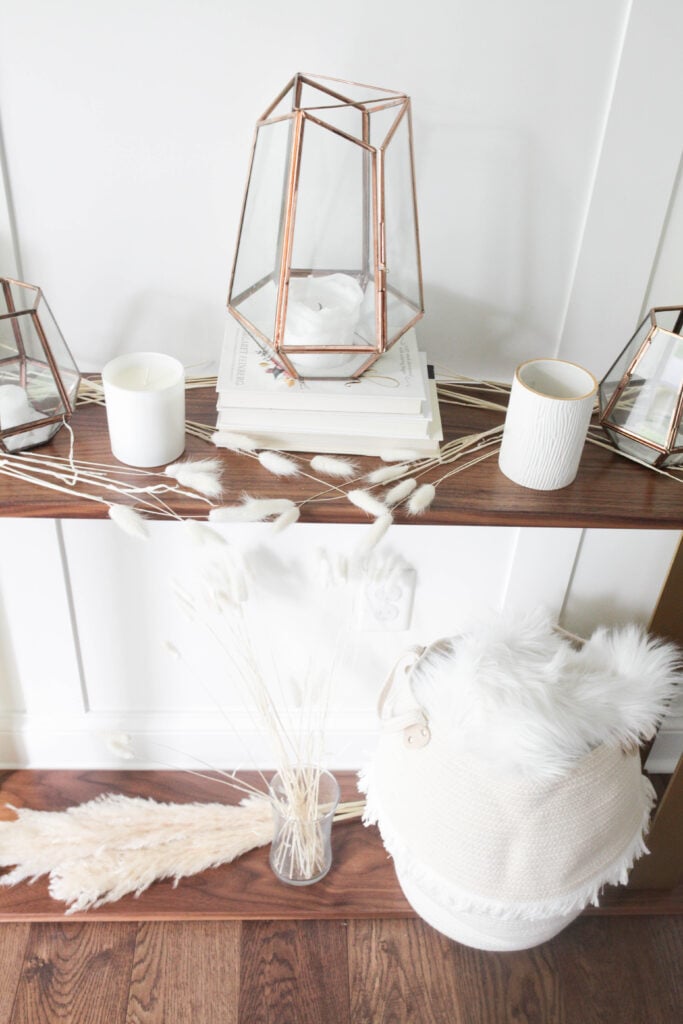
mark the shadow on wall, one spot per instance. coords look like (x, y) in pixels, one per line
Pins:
(192, 331)
(10, 688)
(607, 609)
(469, 337)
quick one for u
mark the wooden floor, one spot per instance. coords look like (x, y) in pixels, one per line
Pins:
(611, 970)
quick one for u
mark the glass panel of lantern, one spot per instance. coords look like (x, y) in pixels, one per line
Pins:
(641, 396)
(38, 376)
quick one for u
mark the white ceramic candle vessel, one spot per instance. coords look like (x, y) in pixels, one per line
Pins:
(550, 407)
(145, 398)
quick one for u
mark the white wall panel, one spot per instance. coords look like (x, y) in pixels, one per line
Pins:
(128, 127)
(618, 577)
(635, 178)
(125, 609)
(39, 654)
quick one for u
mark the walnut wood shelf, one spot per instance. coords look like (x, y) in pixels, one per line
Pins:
(609, 492)
(361, 884)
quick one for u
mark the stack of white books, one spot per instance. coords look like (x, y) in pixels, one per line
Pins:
(393, 405)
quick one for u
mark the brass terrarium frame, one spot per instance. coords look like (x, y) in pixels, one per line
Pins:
(373, 266)
(33, 314)
(668, 449)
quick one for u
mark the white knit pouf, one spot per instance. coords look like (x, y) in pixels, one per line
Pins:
(489, 847)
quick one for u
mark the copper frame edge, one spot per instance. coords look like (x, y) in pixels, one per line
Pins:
(63, 394)
(337, 131)
(619, 390)
(348, 81)
(244, 210)
(290, 85)
(288, 234)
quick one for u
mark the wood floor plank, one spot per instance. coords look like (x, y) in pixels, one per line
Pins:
(294, 973)
(626, 970)
(185, 973)
(406, 972)
(396, 974)
(521, 987)
(75, 972)
(13, 941)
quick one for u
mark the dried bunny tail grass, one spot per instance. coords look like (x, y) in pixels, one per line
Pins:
(120, 744)
(332, 465)
(200, 534)
(385, 474)
(373, 534)
(421, 499)
(280, 465)
(367, 502)
(285, 519)
(129, 520)
(235, 442)
(402, 490)
(202, 475)
(252, 510)
(332, 568)
(400, 455)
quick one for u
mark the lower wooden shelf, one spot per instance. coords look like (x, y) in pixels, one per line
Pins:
(361, 883)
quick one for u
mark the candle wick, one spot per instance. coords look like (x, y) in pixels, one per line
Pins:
(320, 306)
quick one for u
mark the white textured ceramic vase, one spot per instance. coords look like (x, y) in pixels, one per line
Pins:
(550, 407)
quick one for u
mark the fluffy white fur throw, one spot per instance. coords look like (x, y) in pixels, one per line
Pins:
(515, 693)
(100, 851)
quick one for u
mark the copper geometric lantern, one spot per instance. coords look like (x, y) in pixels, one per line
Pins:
(327, 270)
(641, 396)
(38, 376)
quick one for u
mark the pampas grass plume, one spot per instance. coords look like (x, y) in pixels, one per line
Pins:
(202, 475)
(332, 465)
(367, 502)
(400, 491)
(129, 520)
(280, 465)
(421, 499)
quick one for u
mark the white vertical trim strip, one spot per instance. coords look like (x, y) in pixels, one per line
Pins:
(619, 54)
(541, 569)
(632, 192)
(9, 243)
(38, 617)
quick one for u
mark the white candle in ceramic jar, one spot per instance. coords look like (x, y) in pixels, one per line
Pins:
(321, 312)
(145, 398)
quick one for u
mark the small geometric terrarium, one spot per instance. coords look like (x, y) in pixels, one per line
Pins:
(641, 396)
(38, 376)
(327, 269)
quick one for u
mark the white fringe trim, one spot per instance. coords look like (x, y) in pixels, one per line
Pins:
(459, 901)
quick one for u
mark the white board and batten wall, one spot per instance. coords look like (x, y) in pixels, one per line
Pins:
(551, 214)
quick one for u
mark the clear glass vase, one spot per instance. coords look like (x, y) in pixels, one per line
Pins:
(304, 799)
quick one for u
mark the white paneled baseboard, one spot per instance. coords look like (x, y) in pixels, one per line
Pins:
(193, 742)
